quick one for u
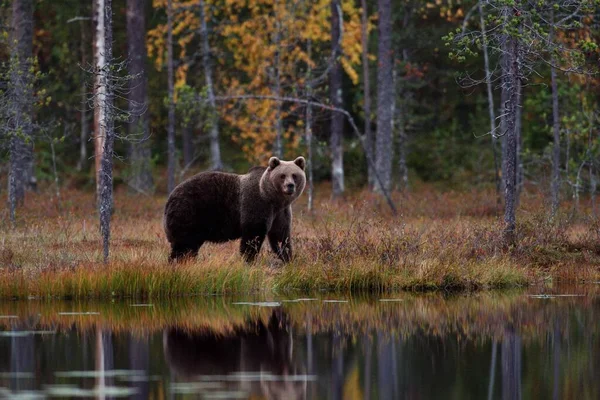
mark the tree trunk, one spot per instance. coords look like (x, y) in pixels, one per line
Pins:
(85, 128)
(367, 90)
(555, 187)
(188, 145)
(21, 103)
(139, 130)
(106, 193)
(401, 97)
(490, 94)
(385, 97)
(99, 91)
(171, 121)
(518, 125)
(278, 147)
(512, 81)
(308, 132)
(215, 150)
(335, 92)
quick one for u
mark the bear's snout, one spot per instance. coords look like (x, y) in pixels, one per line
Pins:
(290, 188)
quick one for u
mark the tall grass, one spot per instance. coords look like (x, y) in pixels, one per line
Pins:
(441, 241)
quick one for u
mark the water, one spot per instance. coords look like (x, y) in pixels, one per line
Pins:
(533, 344)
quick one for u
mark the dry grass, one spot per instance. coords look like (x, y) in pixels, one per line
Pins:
(449, 241)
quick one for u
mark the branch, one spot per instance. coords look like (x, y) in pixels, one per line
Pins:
(285, 99)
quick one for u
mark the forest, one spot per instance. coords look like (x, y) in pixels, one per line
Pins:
(450, 144)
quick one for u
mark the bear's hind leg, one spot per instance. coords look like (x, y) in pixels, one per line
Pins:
(184, 251)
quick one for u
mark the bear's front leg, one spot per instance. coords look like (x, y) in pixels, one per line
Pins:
(253, 236)
(280, 233)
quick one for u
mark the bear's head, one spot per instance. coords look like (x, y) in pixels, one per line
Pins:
(284, 179)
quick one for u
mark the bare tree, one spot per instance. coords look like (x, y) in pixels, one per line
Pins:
(555, 186)
(491, 107)
(171, 121)
(512, 82)
(215, 150)
(367, 86)
(20, 104)
(99, 88)
(524, 38)
(106, 173)
(335, 90)
(385, 96)
(139, 130)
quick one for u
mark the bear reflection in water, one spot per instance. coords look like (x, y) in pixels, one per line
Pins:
(254, 358)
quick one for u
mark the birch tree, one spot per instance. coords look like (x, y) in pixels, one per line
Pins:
(99, 89)
(108, 128)
(335, 91)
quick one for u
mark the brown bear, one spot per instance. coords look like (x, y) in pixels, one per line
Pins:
(218, 207)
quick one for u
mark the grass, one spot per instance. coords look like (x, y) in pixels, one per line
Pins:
(441, 241)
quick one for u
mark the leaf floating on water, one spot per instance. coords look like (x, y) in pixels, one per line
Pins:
(193, 387)
(299, 300)
(110, 373)
(259, 304)
(74, 391)
(251, 376)
(9, 317)
(79, 313)
(17, 375)
(6, 393)
(225, 395)
(25, 333)
(552, 296)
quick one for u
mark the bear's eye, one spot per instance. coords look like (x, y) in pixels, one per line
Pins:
(282, 176)
(294, 176)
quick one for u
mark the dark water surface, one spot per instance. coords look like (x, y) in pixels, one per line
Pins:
(489, 345)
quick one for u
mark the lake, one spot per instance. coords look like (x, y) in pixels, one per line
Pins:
(539, 343)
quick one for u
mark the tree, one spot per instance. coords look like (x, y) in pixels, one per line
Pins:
(335, 90)
(491, 107)
(20, 104)
(85, 128)
(521, 36)
(107, 82)
(385, 96)
(367, 87)
(215, 150)
(555, 185)
(171, 101)
(139, 130)
(99, 89)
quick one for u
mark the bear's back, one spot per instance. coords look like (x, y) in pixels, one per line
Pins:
(206, 207)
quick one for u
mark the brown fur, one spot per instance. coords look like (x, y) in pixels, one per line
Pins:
(218, 207)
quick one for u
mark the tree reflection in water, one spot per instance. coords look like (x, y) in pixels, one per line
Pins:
(494, 346)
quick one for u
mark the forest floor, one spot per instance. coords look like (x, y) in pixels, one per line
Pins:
(439, 241)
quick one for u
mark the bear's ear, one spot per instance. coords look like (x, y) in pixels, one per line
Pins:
(301, 162)
(274, 162)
